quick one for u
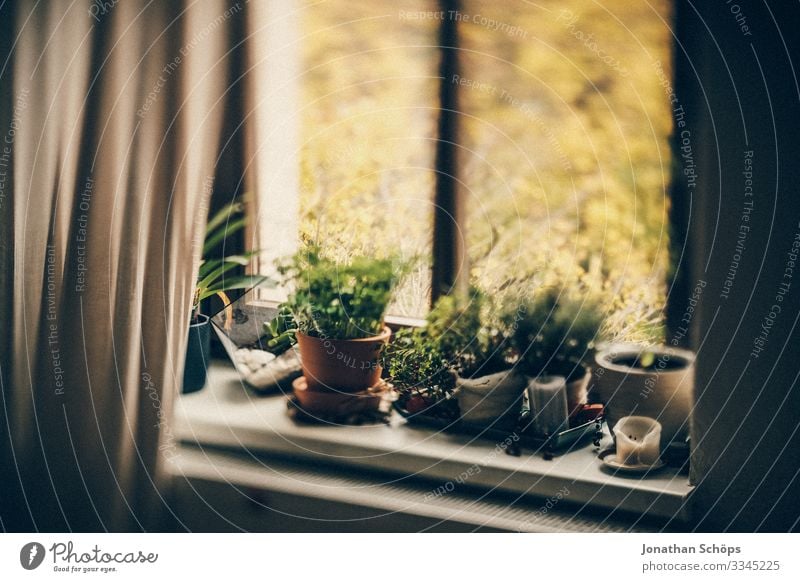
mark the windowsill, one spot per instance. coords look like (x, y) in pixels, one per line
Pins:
(225, 415)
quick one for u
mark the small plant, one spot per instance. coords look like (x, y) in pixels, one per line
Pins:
(214, 276)
(418, 369)
(333, 300)
(461, 336)
(555, 332)
(471, 333)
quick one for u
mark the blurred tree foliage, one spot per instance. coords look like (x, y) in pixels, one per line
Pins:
(565, 133)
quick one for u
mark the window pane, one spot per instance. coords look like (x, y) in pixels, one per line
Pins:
(369, 95)
(566, 127)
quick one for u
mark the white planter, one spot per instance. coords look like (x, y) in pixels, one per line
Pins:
(664, 393)
(494, 398)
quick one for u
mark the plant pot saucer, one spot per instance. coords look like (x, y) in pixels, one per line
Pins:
(609, 459)
(331, 405)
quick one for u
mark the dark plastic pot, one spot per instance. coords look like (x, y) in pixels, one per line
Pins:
(198, 352)
(342, 365)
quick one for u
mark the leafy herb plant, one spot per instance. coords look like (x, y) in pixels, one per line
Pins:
(471, 333)
(461, 336)
(419, 370)
(332, 299)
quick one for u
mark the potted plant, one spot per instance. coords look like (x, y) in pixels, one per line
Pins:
(473, 337)
(421, 374)
(214, 278)
(336, 313)
(554, 335)
(656, 382)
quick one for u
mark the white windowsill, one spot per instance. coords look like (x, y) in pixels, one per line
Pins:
(224, 414)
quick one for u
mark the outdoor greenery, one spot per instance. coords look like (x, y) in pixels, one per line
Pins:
(566, 164)
(334, 299)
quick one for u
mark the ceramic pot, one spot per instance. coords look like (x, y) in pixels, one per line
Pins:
(663, 391)
(342, 365)
(494, 399)
(198, 352)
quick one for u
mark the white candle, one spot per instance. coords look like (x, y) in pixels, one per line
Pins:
(638, 440)
(547, 396)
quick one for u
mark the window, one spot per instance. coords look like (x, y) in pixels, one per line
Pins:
(567, 159)
(563, 154)
(368, 136)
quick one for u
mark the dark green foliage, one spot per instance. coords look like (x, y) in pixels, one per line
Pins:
(463, 336)
(416, 365)
(334, 300)
(214, 276)
(555, 331)
(471, 333)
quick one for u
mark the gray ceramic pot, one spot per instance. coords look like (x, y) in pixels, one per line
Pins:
(663, 391)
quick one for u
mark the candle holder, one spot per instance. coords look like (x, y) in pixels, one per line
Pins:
(547, 396)
(638, 441)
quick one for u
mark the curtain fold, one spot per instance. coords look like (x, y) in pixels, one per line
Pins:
(113, 113)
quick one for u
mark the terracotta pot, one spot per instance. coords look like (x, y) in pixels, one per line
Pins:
(336, 404)
(494, 399)
(342, 365)
(663, 392)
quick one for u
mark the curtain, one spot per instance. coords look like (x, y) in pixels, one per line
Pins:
(113, 118)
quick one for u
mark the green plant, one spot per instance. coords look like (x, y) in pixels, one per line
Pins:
(334, 299)
(555, 332)
(214, 276)
(417, 366)
(461, 335)
(471, 333)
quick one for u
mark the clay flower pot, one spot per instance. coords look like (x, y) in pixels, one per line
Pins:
(328, 404)
(662, 391)
(492, 399)
(342, 365)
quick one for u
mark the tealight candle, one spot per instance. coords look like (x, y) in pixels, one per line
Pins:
(638, 440)
(547, 396)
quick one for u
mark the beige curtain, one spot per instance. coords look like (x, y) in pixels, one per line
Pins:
(113, 119)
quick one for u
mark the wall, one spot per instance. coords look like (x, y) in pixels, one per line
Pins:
(737, 83)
